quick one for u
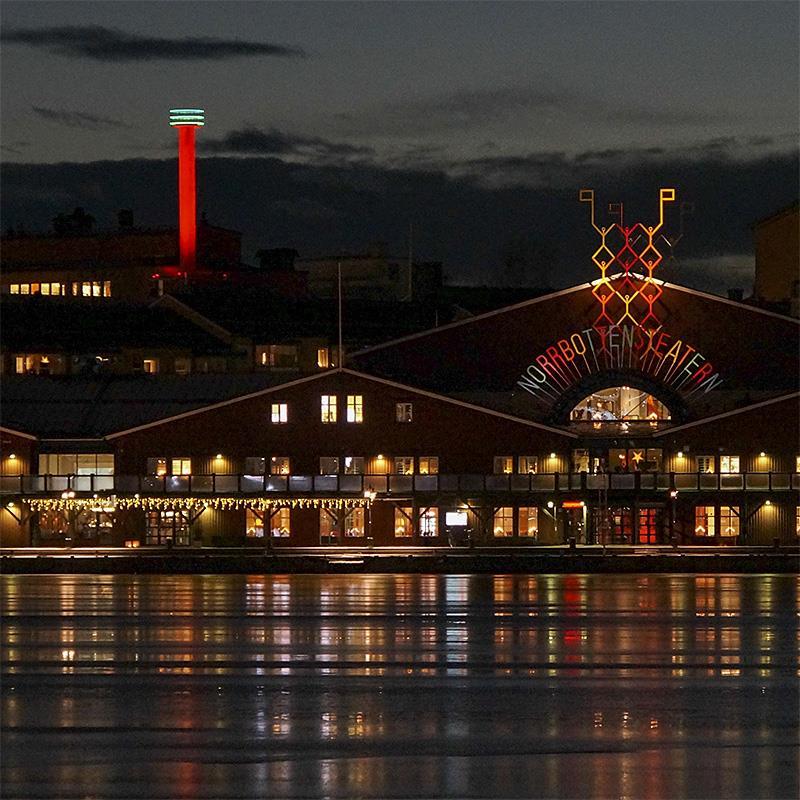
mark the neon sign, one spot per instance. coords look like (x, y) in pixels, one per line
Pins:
(626, 334)
(652, 351)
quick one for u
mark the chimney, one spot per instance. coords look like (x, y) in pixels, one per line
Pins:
(186, 120)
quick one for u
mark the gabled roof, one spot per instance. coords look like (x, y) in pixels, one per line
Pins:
(92, 407)
(562, 292)
(354, 373)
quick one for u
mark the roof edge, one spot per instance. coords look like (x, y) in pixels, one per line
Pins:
(726, 414)
(15, 432)
(463, 404)
(221, 404)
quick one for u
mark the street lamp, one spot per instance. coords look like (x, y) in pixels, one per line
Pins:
(369, 495)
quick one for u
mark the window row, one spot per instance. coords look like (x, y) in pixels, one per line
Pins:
(329, 410)
(508, 521)
(354, 408)
(76, 464)
(287, 356)
(705, 521)
(328, 465)
(57, 289)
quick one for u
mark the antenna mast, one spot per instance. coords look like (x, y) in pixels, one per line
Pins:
(339, 362)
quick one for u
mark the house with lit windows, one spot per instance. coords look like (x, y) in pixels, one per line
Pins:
(625, 410)
(521, 426)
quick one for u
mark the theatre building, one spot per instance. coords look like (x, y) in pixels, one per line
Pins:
(623, 410)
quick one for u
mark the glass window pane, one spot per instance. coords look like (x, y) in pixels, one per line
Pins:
(528, 524)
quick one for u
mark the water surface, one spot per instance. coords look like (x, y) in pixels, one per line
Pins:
(383, 686)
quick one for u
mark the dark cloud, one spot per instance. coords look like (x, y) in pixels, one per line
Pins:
(462, 110)
(14, 148)
(114, 45)
(252, 141)
(461, 220)
(77, 119)
(559, 169)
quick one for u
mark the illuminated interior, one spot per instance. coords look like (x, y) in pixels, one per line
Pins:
(619, 403)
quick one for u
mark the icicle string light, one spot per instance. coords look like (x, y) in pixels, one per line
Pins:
(110, 504)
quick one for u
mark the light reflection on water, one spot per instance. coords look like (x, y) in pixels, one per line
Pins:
(598, 686)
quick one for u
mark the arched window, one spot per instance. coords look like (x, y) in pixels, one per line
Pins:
(617, 404)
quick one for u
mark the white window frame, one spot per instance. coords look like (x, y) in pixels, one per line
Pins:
(329, 412)
(355, 408)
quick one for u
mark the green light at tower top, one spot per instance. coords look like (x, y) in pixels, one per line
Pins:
(187, 116)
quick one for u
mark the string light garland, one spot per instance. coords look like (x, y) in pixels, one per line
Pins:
(112, 503)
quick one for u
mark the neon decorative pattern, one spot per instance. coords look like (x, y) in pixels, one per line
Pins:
(627, 259)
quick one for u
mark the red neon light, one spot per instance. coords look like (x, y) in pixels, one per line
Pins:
(187, 198)
(630, 297)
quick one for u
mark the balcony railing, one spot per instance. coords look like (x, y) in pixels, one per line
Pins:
(551, 482)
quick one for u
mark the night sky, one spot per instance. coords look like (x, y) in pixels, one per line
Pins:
(331, 125)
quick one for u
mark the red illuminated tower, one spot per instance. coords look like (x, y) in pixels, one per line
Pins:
(186, 120)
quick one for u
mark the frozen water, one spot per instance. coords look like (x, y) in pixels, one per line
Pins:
(389, 686)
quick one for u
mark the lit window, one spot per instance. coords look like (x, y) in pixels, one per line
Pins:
(355, 408)
(276, 355)
(353, 465)
(322, 358)
(403, 526)
(354, 522)
(97, 288)
(328, 524)
(404, 465)
(14, 288)
(729, 521)
(528, 518)
(35, 288)
(729, 465)
(429, 522)
(254, 523)
(797, 521)
(279, 413)
(503, 465)
(279, 465)
(705, 463)
(528, 465)
(166, 526)
(253, 465)
(181, 466)
(106, 288)
(280, 523)
(86, 289)
(429, 465)
(19, 365)
(45, 289)
(183, 366)
(56, 289)
(150, 365)
(25, 288)
(404, 412)
(328, 406)
(328, 465)
(503, 524)
(797, 464)
(156, 466)
(705, 521)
